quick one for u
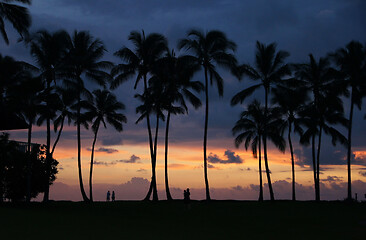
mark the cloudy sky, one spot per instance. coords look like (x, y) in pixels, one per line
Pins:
(122, 159)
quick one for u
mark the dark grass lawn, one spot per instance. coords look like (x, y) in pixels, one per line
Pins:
(163, 220)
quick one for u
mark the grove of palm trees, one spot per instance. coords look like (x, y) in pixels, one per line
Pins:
(69, 82)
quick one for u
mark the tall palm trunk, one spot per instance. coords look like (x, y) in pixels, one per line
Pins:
(314, 166)
(260, 199)
(292, 161)
(83, 194)
(29, 163)
(349, 150)
(205, 141)
(318, 165)
(167, 191)
(58, 136)
(48, 155)
(147, 197)
(265, 147)
(91, 166)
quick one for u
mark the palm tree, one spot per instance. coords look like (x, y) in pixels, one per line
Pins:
(64, 103)
(152, 102)
(319, 79)
(103, 110)
(17, 15)
(49, 50)
(210, 49)
(84, 60)
(291, 98)
(176, 74)
(148, 49)
(269, 70)
(352, 61)
(250, 129)
(328, 112)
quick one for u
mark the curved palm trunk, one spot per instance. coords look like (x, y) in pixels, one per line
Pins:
(349, 151)
(260, 199)
(91, 166)
(147, 197)
(205, 141)
(29, 164)
(292, 162)
(314, 165)
(265, 147)
(155, 189)
(318, 165)
(167, 191)
(83, 194)
(58, 136)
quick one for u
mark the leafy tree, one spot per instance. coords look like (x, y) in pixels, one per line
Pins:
(104, 109)
(210, 49)
(14, 170)
(17, 15)
(148, 49)
(269, 69)
(351, 61)
(25, 98)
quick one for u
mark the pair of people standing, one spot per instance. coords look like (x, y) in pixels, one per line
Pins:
(109, 196)
(187, 196)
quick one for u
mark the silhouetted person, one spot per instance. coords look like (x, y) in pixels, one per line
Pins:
(187, 197)
(113, 196)
(356, 196)
(108, 196)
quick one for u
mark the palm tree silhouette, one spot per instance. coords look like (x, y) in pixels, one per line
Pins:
(176, 74)
(352, 61)
(17, 15)
(269, 70)
(250, 129)
(210, 49)
(152, 102)
(49, 50)
(103, 109)
(84, 59)
(148, 49)
(65, 101)
(319, 79)
(291, 97)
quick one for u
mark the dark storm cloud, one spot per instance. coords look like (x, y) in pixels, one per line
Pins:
(111, 140)
(133, 159)
(329, 155)
(332, 179)
(231, 158)
(104, 163)
(362, 173)
(300, 27)
(105, 150)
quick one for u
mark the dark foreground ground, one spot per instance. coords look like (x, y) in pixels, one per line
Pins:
(201, 220)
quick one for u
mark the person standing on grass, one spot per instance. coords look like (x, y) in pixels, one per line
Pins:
(113, 196)
(108, 196)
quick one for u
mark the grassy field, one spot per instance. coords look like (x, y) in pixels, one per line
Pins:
(163, 220)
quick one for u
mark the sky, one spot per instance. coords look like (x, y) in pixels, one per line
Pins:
(122, 159)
